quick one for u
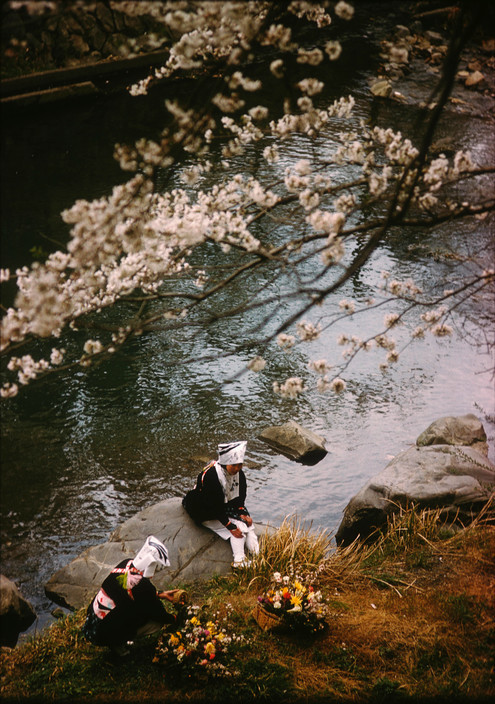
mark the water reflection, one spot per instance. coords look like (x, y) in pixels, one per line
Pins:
(81, 455)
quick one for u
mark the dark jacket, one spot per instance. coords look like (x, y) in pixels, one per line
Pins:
(133, 608)
(206, 502)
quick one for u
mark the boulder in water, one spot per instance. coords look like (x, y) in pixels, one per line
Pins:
(16, 614)
(295, 442)
(454, 477)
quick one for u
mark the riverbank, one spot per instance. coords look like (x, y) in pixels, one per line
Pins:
(113, 438)
(410, 619)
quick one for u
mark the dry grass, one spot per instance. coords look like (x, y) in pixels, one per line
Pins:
(411, 618)
(291, 546)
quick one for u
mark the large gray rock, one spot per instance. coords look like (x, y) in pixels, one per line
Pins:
(457, 479)
(16, 614)
(455, 430)
(295, 442)
(195, 553)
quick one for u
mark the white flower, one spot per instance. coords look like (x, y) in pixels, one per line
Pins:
(9, 390)
(345, 204)
(271, 154)
(338, 385)
(277, 68)
(331, 223)
(385, 342)
(391, 319)
(320, 366)
(277, 576)
(201, 279)
(57, 356)
(291, 388)
(344, 10)
(348, 306)
(303, 167)
(313, 57)
(257, 364)
(285, 341)
(309, 199)
(259, 112)
(441, 330)
(310, 86)
(333, 49)
(308, 331)
(237, 79)
(92, 346)
(433, 316)
(334, 252)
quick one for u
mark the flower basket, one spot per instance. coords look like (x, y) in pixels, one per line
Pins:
(294, 605)
(265, 620)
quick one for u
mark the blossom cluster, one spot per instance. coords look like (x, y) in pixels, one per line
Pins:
(201, 645)
(290, 388)
(136, 238)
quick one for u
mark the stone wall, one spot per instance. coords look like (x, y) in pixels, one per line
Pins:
(73, 36)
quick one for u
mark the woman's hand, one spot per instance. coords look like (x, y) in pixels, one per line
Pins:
(237, 533)
(168, 595)
(247, 520)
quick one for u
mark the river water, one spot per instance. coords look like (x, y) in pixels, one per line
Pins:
(83, 453)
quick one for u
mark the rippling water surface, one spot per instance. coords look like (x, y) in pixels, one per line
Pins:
(82, 454)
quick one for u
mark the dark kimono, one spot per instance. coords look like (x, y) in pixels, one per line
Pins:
(117, 612)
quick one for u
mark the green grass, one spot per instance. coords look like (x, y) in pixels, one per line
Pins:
(399, 630)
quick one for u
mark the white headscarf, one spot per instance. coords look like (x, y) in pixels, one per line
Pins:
(231, 452)
(152, 554)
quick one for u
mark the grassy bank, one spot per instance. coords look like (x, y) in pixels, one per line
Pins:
(411, 618)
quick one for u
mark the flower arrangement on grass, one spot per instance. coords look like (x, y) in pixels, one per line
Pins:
(200, 647)
(297, 603)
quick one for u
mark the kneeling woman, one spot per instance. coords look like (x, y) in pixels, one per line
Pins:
(217, 501)
(128, 606)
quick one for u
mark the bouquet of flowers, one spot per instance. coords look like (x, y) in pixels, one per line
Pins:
(200, 647)
(299, 606)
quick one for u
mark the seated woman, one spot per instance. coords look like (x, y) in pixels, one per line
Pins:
(218, 498)
(128, 605)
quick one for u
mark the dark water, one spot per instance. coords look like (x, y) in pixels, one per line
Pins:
(82, 454)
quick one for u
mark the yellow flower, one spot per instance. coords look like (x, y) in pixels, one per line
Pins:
(299, 586)
(194, 621)
(296, 600)
(210, 648)
(180, 649)
(174, 640)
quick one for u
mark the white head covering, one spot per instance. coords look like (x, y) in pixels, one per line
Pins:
(231, 452)
(152, 554)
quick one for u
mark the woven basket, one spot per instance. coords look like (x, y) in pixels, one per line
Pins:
(180, 597)
(264, 618)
